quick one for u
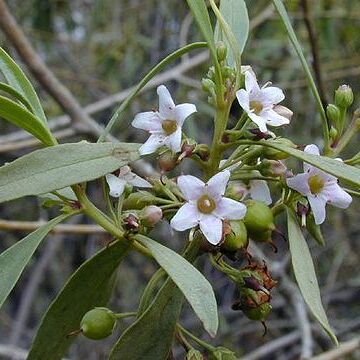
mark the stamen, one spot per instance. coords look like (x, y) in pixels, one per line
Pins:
(256, 106)
(169, 126)
(316, 184)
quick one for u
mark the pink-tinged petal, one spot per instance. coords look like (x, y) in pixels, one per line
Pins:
(273, 118)
(251, 84)
(259, 121)
(217, 184)
(137, 181)
(337, 196)
(260, 191)
(149, 121)
(299, 183)
(312, 149)
(212, 228)
(229, 209)
(190, 186)
(243, 99)
(116, 185)
(152, 144)
(187, 217)
(183, 111)
(166, 103)
(317, 204)
(272, 95)
(173, 141)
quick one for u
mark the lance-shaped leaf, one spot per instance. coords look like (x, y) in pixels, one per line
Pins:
(60, 166)
(90, 286)
(305, 273)
(17, 79)
(19, 116)
(14, 259)
(329, 165)
(196, 289)
(15, 94)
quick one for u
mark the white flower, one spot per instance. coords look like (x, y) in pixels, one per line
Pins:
(259, 103)
(319, 187)
(126, 176)
(206, 206)
(163, 125)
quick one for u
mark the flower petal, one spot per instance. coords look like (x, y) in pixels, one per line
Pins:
(230, 209)
(251, 84)
(149, 121)
(190, 186)
(260, 191)
(317, 204)
(187, 217)
(272, 95)
(116, 185)
(183, 111)
(138, 181)
(217, 184)
(152, 144)
(166, 103)
(243, 99)
(312, 149)
(299, 183)
(337, 196)
(212, 228)
(173, 141)
(273, 118)
(259, 121)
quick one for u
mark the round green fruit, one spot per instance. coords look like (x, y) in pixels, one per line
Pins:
(98, 323)
(259, 313)
(237, 238)
(258, 219)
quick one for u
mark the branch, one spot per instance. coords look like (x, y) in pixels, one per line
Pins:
(341, 351)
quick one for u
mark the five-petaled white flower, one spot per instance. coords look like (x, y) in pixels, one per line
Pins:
(259, 103)
(319, 187)
(126, 176)
(163, 125)
(206, 206)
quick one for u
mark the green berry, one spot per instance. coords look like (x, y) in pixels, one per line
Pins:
(237, 238)
(98, 323)
(259, 313)
(259, 218)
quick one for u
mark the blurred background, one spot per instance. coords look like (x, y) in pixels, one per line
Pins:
(101, 48)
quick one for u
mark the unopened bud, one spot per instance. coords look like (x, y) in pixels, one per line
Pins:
(228, 72)
(151, 215)
(344, 96)
(236, 190)
(333, 133)
(208, 85)
(167, 161)
(272, 168)
(194, 355)
(221, 51)
(333, 113)
(283, 111)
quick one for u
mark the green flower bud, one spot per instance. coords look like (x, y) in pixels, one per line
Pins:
(228, 72)
(236, 190)
(208, 85)
(333, 133)
(259, 219)
(211, 73)
(344, 96)
(333, 113)
(236, 238)
(98, 323)
(194, 354)
(272, 168)
(151, 215)
(275, 154)
(221, 51)
(167, 161)
(258, 313)
(222, 353)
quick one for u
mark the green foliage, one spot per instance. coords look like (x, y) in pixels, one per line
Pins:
(90, 286)
(59, 166)
(14, 93)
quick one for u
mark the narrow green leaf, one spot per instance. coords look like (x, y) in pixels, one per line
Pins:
(19, 116)
(14, 93)
(90, 286)
(292, 36)
(60, 166)
(156, 69)
(234, 13)
(150, 337)
(17, 79)
(191, 282)
(329, 165)
(305, 273)
(14, 259)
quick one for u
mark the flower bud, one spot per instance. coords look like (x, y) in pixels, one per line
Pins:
(222, 353)
(333, 133)
(236, 237)
(131, 222)
(211, 73)
(167, 161)
(333, 113)
(98, 323)
(272, 168)
(228, 72)
(344, 96)
(283, 111)
(259, 219)
(151, 215)
(194, 354)
(274, 154)
(236, 190)
(221, 51)
(208, 85)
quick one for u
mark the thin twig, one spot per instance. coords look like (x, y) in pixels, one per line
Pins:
(341, 351)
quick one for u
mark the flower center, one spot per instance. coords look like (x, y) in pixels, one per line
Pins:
(316, 184)
(169, 126)
(206, 204)
(256, 106)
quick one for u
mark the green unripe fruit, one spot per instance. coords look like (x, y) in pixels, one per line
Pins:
(237, 238)
(344, 96)
(274, 154)
(259, 218)
(98, 323)
(259, 313)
